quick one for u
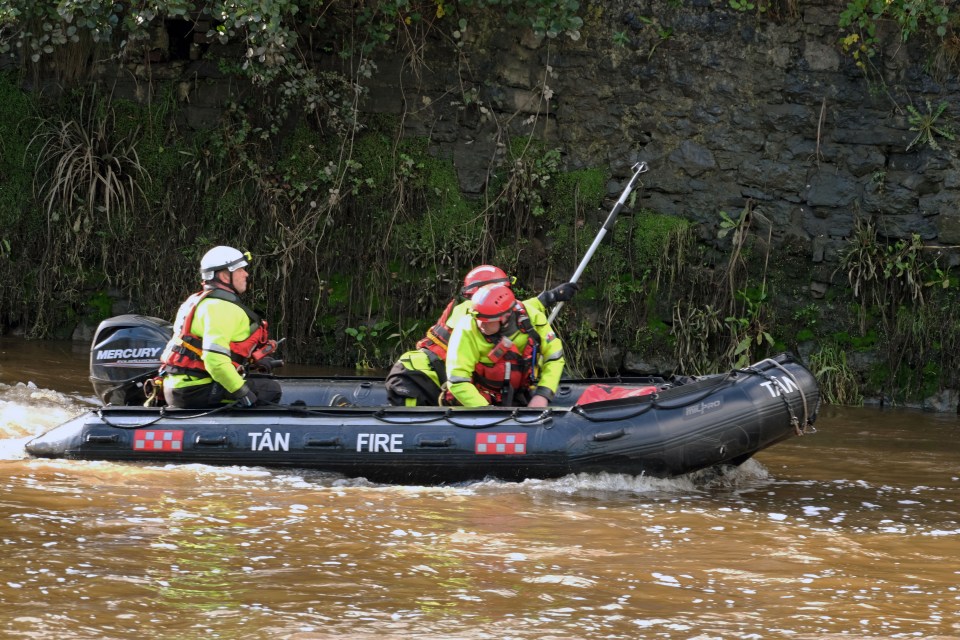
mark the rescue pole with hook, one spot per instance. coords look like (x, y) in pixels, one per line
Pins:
(640, 167)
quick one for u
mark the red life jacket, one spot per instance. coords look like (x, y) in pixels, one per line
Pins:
(509, 372)
(438, 336)
(183, 354)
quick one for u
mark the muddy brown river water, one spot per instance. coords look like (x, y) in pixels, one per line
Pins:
(852, 532)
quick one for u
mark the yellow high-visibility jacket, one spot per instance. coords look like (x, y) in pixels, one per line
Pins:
(469, 358)
(218, 323)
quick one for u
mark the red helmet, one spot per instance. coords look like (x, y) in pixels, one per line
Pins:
(483, 275)
(493, 301)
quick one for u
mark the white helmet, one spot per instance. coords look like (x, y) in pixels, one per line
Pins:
(222, 258)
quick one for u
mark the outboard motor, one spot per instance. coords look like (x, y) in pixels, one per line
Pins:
(125, 352)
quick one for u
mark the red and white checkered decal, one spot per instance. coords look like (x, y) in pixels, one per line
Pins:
(158, 440)
(501, 443)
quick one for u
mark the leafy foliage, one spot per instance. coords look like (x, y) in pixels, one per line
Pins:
(17, 110)
(837, 380)
(547, 17)
(725, 319)
(904, 298)
(268, 29)
(862, 20)
(20, 222)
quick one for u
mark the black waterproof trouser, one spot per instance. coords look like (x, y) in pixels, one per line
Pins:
(212, 394)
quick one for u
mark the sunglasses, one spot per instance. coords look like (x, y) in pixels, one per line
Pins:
(246, 257)
(500, 319)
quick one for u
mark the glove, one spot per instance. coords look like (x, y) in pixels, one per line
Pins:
(266, 365)
(561, 293)
(244, 396)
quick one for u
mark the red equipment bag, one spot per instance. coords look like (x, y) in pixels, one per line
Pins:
(601, 392)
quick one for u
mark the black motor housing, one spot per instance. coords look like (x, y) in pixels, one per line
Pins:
(126, 351)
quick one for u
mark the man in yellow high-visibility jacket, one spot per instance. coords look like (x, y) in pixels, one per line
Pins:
(215, 337)
(503, 353)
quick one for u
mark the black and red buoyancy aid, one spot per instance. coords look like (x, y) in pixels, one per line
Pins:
(183, 354)
(435, 343)
(438, 336)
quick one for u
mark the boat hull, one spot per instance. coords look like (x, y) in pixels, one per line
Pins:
(722, 419)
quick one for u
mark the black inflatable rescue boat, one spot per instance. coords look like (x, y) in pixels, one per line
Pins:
(640, 426)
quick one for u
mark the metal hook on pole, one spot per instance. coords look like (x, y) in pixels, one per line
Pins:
(640, 167)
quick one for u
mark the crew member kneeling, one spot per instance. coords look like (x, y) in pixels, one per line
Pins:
(504, 352)
(419, 375)
(215, 338)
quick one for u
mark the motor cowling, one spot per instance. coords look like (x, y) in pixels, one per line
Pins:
(125, 352)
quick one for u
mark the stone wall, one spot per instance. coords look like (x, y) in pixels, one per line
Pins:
(730, 107)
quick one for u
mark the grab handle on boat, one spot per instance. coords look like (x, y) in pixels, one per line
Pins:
(609, 435)
(210, 441)
(446, 442)
(102, 438)
(322, 442)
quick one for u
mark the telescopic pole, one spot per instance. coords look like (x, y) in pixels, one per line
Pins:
(640, 167)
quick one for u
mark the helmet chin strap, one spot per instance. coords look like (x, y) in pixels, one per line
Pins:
(231, 285)
(220, 284)
(509, 326)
